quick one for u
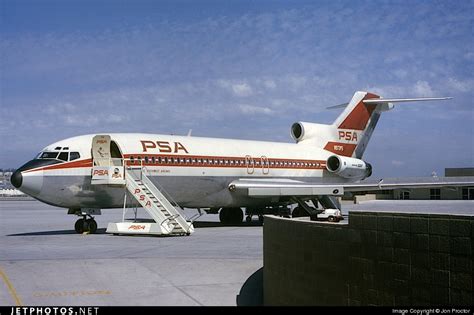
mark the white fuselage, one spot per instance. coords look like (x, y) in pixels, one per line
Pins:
(195, 171)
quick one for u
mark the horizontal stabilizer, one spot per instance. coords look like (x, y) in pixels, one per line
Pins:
(400, 100)
(343, 105)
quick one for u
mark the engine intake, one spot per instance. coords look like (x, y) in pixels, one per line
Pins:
(348, 167)
(301, 131)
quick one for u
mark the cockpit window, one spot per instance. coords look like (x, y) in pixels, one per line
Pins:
(74, 156)
(48, 155)
(63, 156)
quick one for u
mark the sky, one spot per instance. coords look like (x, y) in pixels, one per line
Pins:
(238, 69)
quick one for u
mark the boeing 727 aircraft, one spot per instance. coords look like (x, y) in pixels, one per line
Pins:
(91, 172)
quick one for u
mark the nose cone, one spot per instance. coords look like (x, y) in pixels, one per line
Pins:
(29, 177)
(16, 179)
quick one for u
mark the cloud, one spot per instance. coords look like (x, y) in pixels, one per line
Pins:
(461, 86)
(397, 163)
(242, 90)
(423, 88)
(269, 84)
(251, 110)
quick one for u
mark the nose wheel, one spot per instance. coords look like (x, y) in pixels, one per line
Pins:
(86, 225)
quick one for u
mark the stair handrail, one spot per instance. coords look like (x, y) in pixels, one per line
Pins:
(143, 176)
(189, 223)
(160, 188)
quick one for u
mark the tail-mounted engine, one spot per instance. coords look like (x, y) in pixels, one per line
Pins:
(348, 167)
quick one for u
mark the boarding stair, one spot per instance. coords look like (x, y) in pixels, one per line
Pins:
(160, 206)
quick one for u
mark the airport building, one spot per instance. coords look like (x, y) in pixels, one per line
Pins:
(6, 187)
(445, 193)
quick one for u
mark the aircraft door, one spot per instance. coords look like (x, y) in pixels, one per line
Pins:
(250, 163)
(107, 161)
(265, 165)
(101, 150)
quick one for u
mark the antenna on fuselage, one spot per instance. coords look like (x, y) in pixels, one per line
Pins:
(190, 132)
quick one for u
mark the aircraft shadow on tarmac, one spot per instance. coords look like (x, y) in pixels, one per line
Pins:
(197, 224)
(57, 232)
(210, 224)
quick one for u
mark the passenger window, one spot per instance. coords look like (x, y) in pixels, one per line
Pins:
(146, 159)
(63, 156)
(74, 156)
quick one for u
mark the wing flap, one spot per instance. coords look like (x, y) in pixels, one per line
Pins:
(284, 187)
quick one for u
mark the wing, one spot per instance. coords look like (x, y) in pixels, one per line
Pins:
(411, 183)
(289, 187)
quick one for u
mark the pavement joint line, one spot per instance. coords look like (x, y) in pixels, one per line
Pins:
(188, 295)
(10, 287)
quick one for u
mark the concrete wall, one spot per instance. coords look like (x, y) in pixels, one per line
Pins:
(386, 259)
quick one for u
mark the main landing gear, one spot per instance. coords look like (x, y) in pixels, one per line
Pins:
(231, 216)
(86, 224)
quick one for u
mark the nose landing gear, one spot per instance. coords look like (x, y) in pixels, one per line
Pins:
(86, 223)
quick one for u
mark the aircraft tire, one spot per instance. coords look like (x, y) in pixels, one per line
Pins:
(79, 226)
(238, 216)
(298, 212)
(231, 216)
(224, 216)
(92, 224)
(248, 219)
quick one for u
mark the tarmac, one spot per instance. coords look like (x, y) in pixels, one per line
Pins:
(44, 262)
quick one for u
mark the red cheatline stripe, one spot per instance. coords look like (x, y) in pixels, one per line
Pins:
(317, 164)
(66, 165)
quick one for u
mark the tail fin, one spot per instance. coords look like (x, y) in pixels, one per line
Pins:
(351, 131)
(355, 125)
